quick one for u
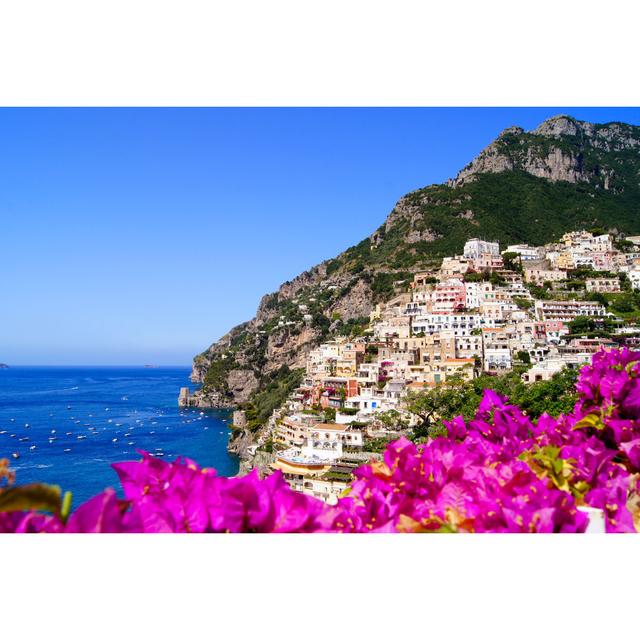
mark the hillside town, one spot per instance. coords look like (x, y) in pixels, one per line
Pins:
(488, 311)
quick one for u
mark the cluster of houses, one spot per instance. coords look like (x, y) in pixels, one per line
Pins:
(472, 315)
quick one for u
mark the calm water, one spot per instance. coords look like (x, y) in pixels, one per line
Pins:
(69, 424)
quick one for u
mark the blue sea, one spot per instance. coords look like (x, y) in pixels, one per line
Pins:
(68, 425)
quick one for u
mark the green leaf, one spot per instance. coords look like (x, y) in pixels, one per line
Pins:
(36, 496)
(66, 506)
(590, 420)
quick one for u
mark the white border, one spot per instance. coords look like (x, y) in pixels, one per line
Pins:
(319, 586)
(334, 52)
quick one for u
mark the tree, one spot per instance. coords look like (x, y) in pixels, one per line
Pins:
(523, 303)
(392, 419)
(473, 276)
(444, 401)
(512, 261)
(596, 296)
(329, 414)
(524, 357)
(623, 303)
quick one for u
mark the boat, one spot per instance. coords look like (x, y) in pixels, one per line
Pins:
(15, 455)
(66, 450)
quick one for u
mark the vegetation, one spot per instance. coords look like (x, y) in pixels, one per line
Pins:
(272, 393)
(353, 327)
(592, 326)
(377, 445)
(459, 397)
(329, 414)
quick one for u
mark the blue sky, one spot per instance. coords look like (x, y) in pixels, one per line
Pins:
(133, 236)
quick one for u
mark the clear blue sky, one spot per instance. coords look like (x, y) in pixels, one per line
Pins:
(132, 236)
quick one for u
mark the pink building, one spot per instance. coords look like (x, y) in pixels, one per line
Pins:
(449, 296)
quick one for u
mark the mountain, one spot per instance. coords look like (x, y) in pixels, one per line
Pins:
(524, 187)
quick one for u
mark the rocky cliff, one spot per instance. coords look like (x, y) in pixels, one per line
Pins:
(560, 149)
(524, 187)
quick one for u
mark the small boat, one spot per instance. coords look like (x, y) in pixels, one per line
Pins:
(23, 439)
(68, 406)
(66, 450)
(15, 455)
(114, 440)
(32, 447)
(81, 438)
(124, 398)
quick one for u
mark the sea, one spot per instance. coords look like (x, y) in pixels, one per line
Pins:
(67, 425)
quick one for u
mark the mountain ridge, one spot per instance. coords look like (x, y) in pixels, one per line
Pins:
(523, 187)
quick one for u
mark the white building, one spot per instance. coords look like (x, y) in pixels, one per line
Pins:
(474, 248)
(567, 310)
(634, 278)
(461, 324)
(497, 357)
(524, 251)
